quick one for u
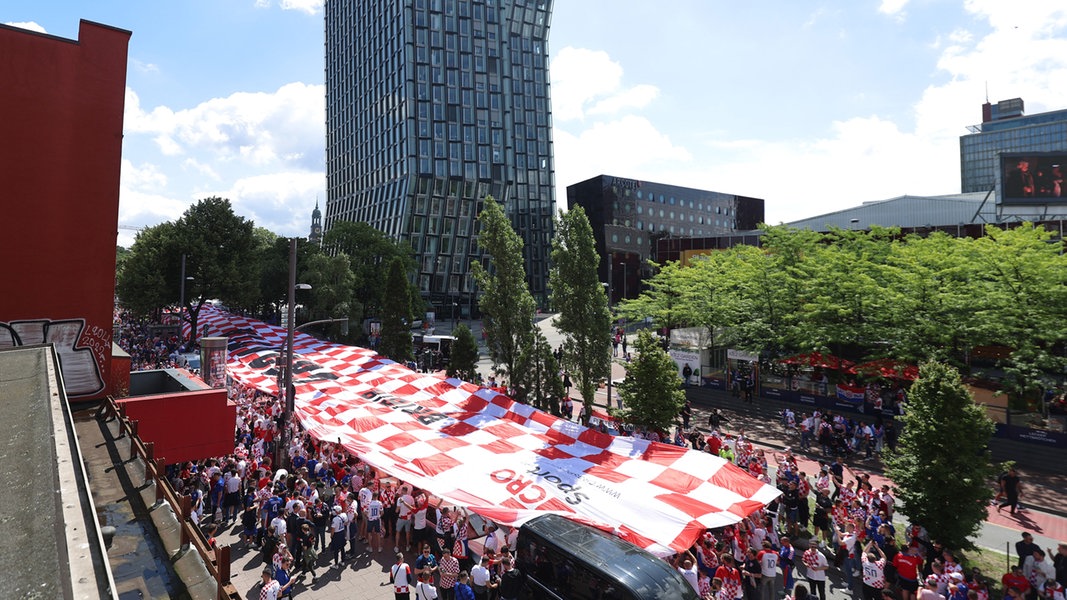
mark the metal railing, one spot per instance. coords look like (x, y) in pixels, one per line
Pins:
(217, 560)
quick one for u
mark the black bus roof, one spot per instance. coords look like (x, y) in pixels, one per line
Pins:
(648, 576)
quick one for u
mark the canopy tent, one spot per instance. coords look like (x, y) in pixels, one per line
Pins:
(818, 359)
(888, 369)
(477, 448)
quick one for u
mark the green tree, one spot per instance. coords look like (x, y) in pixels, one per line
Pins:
(661, 301)
(543, 387)
(506, 304)
(146, 284)
(274, 269)
(941, 464)
(332, 294)
(370, 253)
(651, 393)
(578, 297)
(221, 252)
(463, 362)
(396, 315)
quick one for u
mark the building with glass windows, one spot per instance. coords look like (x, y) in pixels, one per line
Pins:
(1005, 129)
(432, 105)
(628, 216)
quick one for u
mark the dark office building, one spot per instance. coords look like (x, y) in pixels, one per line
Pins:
(1006, 129)
(432, 105)
(628, 217)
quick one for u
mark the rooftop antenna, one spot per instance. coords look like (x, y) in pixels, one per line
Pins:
(987, 91)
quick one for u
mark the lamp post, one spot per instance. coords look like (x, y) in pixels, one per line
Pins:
(181, 304)
(285, 391)
(454, 305)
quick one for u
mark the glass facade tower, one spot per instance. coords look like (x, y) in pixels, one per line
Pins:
(431, 105)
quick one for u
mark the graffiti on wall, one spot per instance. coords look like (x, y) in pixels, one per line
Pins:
(81, 350)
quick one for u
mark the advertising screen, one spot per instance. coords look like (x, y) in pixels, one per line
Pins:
(1032, 178)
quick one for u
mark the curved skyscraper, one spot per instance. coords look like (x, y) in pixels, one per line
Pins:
(431, 105)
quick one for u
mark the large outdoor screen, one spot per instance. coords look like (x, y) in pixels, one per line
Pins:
(1032, 178)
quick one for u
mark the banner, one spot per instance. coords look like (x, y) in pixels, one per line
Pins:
(855, 394)
(475, 447)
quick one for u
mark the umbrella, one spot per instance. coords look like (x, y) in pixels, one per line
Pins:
(887, 368)
(818, 359)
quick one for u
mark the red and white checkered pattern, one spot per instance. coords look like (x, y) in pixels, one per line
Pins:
(477, 448)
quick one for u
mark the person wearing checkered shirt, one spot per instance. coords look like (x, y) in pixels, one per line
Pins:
(816, 565)
(873, 571)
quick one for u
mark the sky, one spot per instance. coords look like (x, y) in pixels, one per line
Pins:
(812, 106)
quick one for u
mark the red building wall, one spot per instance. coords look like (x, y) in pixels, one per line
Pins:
(61, 106)
(185, 426)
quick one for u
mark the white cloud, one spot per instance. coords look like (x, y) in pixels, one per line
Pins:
(141, 177)
(30, 25)
(638, 96)
(256, 129)
(281, 202)
(311, 7)
(892, 7)
(579, 77)
(144, 67)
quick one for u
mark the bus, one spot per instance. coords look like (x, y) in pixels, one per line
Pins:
(566, 560)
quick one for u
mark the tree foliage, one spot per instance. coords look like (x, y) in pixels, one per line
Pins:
(941, 464)
(580, 300)
(651, 393)
(221, 257)
(463, 363)
(370, 253)
(396, 315)
(876, 294)
(506, 304)
(542, 386)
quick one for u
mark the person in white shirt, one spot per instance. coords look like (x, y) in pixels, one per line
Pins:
(480, 578)
(405, 503)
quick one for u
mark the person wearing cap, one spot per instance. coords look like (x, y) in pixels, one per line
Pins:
(957, 587)
(338, 528)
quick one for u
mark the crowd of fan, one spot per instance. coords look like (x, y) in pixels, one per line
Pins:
(331, 507)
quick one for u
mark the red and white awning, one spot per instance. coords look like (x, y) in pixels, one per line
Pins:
(477, 448)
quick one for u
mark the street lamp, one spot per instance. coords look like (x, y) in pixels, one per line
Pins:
(454, 305)
(181, 305)
(286, 390)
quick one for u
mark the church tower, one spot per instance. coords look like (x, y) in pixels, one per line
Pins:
(315, 237)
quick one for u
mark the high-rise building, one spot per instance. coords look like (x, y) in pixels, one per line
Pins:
(629, 216)
(432, 105)
(1005, 129)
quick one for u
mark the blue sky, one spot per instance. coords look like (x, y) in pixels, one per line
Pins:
(813, 106)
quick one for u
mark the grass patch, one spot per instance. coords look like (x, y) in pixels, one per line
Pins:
(993, 566)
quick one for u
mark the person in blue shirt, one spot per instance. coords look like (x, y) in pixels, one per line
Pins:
(463, 589)
(281, 575)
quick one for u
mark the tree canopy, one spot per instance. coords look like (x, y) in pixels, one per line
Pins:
(221, 259)
(941, 465)
(875, 294)
(651, 393)
(396, 315)
(580, 300)
(506, 304)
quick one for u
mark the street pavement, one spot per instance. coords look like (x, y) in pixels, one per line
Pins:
(366, 576)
